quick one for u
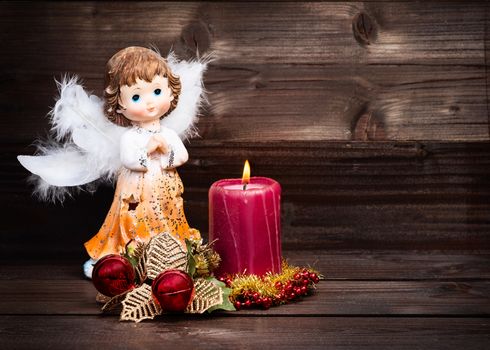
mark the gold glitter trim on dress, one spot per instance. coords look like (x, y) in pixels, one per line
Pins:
(145, 204)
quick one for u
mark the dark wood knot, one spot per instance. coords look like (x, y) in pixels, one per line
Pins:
(454, 109)
(196, 37)
(368, 128)
(364, 28)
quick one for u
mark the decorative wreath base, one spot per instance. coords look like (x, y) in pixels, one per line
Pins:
(164, 252)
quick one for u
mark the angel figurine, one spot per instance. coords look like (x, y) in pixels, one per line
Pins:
(134, 135)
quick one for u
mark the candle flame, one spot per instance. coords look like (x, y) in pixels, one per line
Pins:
(246, 173)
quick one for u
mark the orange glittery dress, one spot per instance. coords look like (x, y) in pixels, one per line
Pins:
(148, 198)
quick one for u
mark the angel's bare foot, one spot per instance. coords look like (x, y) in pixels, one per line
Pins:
(88, 266)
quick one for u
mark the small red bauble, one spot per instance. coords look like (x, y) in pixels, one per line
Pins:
(314, 277)
(174, 290)
(113, 275)
(266, 305)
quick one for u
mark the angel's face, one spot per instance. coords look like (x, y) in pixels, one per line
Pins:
(145, 101)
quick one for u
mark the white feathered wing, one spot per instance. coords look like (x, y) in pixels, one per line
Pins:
(184, 117)
(87, 147)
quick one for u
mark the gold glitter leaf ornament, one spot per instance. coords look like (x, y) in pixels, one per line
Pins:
(114, 302)
(139, 305)
(140, 256)
(162, 253)
(207, 295)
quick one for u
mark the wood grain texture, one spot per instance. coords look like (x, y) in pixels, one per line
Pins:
(60, 312)
(400, 196)
(77, 297)
(321, 96)
(283, 71)
(394, 265)
(335, 196)
(339, 102)
(28, 332)
(362, 265)
(487, 60)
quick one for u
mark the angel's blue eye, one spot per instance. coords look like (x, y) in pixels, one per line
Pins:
(135, 98)
(157, 92)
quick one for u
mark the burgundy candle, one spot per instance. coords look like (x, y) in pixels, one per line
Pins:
(245, 220)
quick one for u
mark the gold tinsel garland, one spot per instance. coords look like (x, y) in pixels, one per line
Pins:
(272, 289)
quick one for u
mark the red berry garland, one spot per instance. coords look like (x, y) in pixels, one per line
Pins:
(271, 290)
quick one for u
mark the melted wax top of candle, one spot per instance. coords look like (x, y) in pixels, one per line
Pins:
(256, 183)
(240, 187)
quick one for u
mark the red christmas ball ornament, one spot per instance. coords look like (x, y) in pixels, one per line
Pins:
(174, 290)
(113, 275)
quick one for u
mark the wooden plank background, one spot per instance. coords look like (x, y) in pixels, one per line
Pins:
(336, 196)
(283, 71)
(373, 116)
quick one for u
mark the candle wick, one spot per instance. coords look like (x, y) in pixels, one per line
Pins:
(244, 186)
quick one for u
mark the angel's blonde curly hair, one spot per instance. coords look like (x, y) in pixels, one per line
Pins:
(124, 68)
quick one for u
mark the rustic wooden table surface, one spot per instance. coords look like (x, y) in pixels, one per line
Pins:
(372, 115)
(378, 300)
